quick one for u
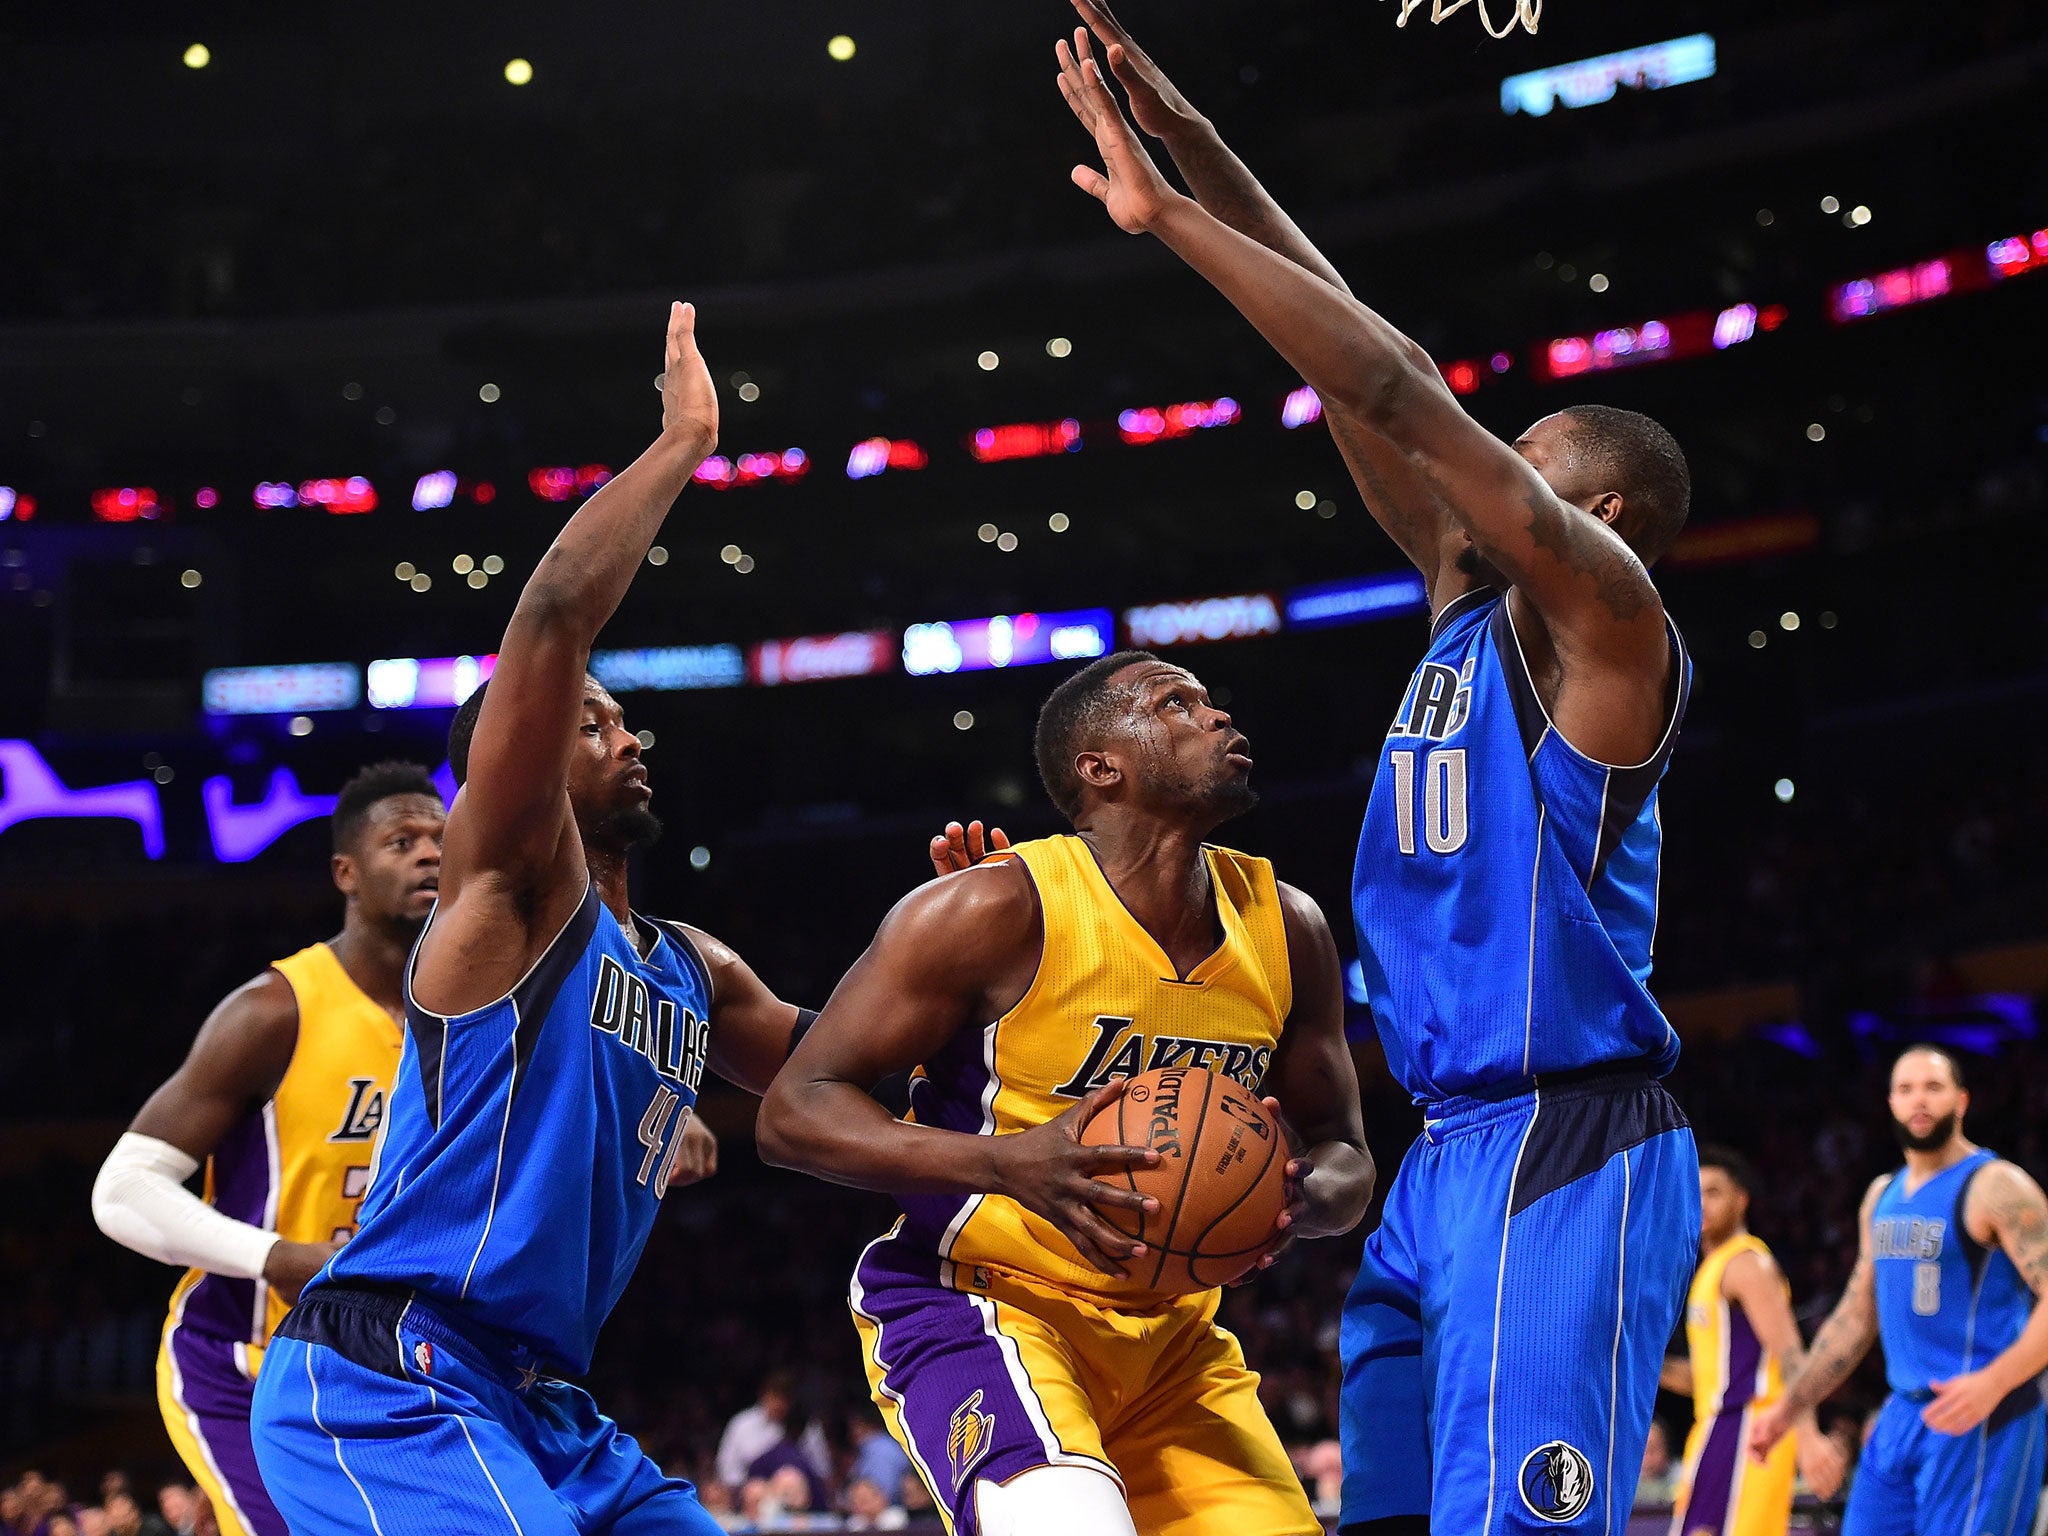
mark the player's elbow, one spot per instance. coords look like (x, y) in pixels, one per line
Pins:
(782, 1133)
(1383, 385)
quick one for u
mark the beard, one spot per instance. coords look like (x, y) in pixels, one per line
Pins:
(1934, 1140)
(628, 827)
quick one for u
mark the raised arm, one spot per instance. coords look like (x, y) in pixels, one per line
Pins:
(1314, 1087)
(1394, 491)
(2006, 1209)
(1591, 591)
(140, 1200)
(511, 851)
(955, 953)
(1844, 1339)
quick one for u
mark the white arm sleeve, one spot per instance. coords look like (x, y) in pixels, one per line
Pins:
(140, 1201)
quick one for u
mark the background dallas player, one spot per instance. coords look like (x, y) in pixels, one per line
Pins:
(1742, 1341)
(1033, 1382)
(534, 1114)
(1506, 885)
(1952, 1278)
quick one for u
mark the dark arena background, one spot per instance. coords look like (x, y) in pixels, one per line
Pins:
(317, 322)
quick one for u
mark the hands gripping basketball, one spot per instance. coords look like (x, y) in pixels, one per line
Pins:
(1049, 1171)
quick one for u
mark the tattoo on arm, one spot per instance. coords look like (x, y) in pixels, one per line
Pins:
(1840, 1345)
(2019, 1217)
(1618, 576)
(1413, 517)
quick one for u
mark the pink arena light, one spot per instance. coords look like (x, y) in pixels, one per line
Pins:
(126, 504)
(877, 455)
(722, 473)
(1150, 424)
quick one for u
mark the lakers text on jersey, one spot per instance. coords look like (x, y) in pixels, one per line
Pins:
(991, 1346)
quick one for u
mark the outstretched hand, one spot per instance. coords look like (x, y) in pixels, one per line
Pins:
(959, 847)
(1129, 184)
(689, 403)
(1156, 103)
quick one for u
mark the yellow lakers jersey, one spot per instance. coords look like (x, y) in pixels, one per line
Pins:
(1105, 1003)
(1731, 1369)
(300, 1164)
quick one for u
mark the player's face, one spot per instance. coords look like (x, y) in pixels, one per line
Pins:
(393, 873)
(1722, 1207)
(1181, 748)
(607, 780)
(1926, 1105)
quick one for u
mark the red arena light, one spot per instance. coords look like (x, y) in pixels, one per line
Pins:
(126, 504)
(1025, 440)
(1149, 424)
(875, 455)
(16, 506)
(558, 482)
(340, 497)
(1462, 376)
(2018, 253)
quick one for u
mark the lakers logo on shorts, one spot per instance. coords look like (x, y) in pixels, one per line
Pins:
(969, 1437)
(1557, 1482)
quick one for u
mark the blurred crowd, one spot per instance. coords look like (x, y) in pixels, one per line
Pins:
(37, 1505)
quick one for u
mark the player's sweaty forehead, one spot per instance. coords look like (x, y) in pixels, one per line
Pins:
(1921, 1069)
(1150, 681)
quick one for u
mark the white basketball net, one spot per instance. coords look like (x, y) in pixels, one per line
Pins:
(1526, 15)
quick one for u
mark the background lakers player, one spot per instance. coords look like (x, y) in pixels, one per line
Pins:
(282, 1096)
(1741, 1341)
(1030, 1379)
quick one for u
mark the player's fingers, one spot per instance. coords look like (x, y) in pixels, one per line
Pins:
(956, 844)
(1070, 67)
(1118, 1245)
(1086, 1233)
(977, 843)
(1071, 95)
(942, 863)
(1126, 69)
(1106, 1196)
(1094, 183)
(672, 349)
(1106, 1159)
(998, 838)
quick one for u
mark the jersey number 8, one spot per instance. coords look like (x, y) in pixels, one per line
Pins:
(1445, 822)
(1927, 1288)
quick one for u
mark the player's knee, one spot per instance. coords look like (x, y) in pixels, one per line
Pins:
(1074, 1501)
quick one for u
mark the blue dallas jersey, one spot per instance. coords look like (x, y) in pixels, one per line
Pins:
(1506, 886)
(529, 1142)
(1945, 1303)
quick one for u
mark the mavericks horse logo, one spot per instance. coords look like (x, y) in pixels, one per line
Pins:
(1557, 1482)
(969, 1437)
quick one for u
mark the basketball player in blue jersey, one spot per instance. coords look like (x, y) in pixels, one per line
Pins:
(554, 1045)
(1952, 1278)
(1503, 1339)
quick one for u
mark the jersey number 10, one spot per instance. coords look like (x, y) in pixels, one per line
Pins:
(1445, 821)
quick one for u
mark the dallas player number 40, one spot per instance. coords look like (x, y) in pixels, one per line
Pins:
(1445, 823)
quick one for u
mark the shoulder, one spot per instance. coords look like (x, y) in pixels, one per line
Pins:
(998, 898)
(1749, 1265)
(2001, 1192)
(265, 1003)
(1307, 927)
(1877, 1187)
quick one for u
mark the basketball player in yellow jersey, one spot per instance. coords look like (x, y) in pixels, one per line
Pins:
(1740, 1336)
(282, 1097)
(1038, 1387)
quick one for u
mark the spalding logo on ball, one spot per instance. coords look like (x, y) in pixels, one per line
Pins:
(1221, 1182)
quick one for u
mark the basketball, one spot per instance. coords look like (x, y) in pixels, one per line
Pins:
(1221, 1180)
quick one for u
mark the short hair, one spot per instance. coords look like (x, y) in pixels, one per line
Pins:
(1741, 1172)
(1649, 469)
(461, 729)
(379, 781)
(1955, 1067)
(1074, 713)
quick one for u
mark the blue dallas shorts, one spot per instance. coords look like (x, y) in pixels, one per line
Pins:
(374, 1417)
(1502, 1341)
(1914, 1481)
